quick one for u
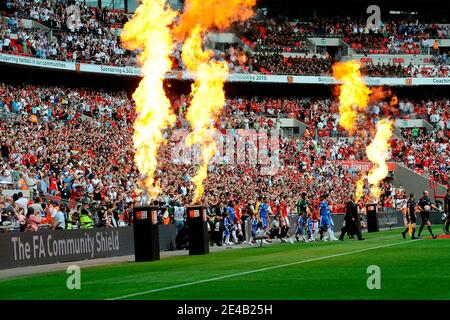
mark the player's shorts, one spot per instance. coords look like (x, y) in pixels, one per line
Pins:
(299, 230)
(264, 223)
(324, 221)
(315, 225)
(284, 222)
(425, 216)
(254, 225)
(330, 221)
(411, 218)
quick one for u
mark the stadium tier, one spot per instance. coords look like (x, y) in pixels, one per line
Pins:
(272, 46)
(81, 148)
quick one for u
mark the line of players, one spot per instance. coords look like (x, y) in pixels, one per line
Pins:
(308, 228)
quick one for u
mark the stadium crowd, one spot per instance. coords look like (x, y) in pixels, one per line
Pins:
(392, 36)
(74, 147)
(274, 46)
(53, 14)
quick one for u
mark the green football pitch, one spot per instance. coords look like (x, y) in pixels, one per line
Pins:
(322, 270)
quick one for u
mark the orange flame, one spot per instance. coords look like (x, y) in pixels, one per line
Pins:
(378, 153)
(149, 31)
(354, 96)
(359, 189)
(207, 101)
(212, 13)
(207, 93)
(353, 93)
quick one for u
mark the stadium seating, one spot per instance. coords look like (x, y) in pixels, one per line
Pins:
(309, 162)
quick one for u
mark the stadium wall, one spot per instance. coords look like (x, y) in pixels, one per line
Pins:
(20, 249)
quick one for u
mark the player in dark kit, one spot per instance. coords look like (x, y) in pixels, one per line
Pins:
(424, 207)
(447, 212)
(303, 206)
(410, 216)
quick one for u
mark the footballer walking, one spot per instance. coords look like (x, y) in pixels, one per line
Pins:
(447, 212)
(410, 217)
(424, 207)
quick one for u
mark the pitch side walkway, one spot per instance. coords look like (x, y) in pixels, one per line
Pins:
(33, 270)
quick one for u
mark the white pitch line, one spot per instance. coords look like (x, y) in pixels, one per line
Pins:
(257, 270)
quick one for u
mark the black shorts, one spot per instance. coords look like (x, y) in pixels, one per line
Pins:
(425, 216)
(411, 218)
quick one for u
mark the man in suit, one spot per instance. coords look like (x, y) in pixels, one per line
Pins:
(351, 219)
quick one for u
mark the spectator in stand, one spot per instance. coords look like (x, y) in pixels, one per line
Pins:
(32, 220)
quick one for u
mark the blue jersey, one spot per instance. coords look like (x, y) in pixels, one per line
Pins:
(324, 209)
(226, 223)
(330, 220)
(300, 221)
(310, 224)
(254, 224)
(230, 211)
(263, 211)
(300, 225)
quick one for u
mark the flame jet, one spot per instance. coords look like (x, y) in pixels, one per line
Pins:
(354, 97)
(207, 93)
(149, 31)
(378, 153)
(359, 188)
(353, 93)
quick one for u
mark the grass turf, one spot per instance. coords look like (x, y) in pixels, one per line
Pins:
(337, 270)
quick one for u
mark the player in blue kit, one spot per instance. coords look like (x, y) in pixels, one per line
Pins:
(299, 228)
(263, 213)
(331, 227)
(254, 220)
(310, 229)
(324, 212)
(232, 226)
(226, 231)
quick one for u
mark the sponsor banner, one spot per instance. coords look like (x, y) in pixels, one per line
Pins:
(97, 68)
(35, 62)
(429, 81)
(233, 77)
(361, 165)
(18, 249)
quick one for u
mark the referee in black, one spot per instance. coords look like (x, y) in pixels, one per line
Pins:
(410, 216)
(424, 207)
